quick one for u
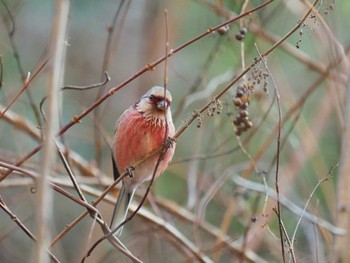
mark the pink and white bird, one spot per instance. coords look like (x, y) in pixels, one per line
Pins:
(140, 131)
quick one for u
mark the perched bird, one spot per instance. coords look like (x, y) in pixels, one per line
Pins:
(140, 131)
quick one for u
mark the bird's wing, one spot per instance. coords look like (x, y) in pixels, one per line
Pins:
(116, 173)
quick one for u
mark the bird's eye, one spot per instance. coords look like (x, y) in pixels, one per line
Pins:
(151, 97)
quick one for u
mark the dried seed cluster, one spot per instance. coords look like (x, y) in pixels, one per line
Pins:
(242, 122)
(259, 76)
(301, 31)
(199, 119)
(324, 8)
(215, 107)
(327, 7)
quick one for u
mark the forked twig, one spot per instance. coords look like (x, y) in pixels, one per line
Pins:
(148, 67)
(164, 149)
(278, 150)
(23, 227)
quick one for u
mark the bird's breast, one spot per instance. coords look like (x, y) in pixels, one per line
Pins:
(137, 138)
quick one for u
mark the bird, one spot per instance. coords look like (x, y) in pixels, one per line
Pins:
(140, 131)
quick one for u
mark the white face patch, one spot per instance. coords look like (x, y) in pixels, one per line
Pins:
(154, 104)
(158, 92)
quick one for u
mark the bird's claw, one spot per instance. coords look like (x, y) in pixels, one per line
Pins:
(130, 171)
(170, 142)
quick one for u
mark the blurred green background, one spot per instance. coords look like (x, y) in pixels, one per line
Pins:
(200, 180)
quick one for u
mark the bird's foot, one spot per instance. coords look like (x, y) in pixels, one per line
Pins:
(169, 143)
(130, 171)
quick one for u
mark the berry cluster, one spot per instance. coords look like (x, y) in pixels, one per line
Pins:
(242, 122)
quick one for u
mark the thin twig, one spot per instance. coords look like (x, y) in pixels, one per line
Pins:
(199, 80)
(78, 219)
(23, 227)
(69, 171)
(292, 207)
(23, 125)
(170, 207)
(64, 160)
(246, 70)
(1, 72)
(91, 86)
(164, 149)
(98, 113)
(80, 88)
(285, 233)
(44, 195)
(326, 178)
(148, 67)
(25, 86)
(180, 131)
(278, 150)
(11, 32)
(90, 209)
(100, 198)
(341, 251)
(296, 106)
(212, 230)
(165, 81)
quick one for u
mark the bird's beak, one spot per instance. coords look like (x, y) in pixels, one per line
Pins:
(162, 105)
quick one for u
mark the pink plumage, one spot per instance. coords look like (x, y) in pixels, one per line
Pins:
(140, 131)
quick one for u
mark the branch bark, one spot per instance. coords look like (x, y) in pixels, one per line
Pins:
(56, 72)
(342, 243)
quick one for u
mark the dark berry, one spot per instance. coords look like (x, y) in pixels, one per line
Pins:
(239, 36)
(243, 30)
(244, 113)
(237, 102)
(248, 124)
(239, 94)
(223, 30)
(243, 106)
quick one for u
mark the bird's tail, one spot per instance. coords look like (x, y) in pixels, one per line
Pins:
(121, 208)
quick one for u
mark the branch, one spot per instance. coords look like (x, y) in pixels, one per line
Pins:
(289, 205)
(148, 67)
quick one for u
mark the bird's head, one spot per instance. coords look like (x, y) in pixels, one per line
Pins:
(156, 102)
